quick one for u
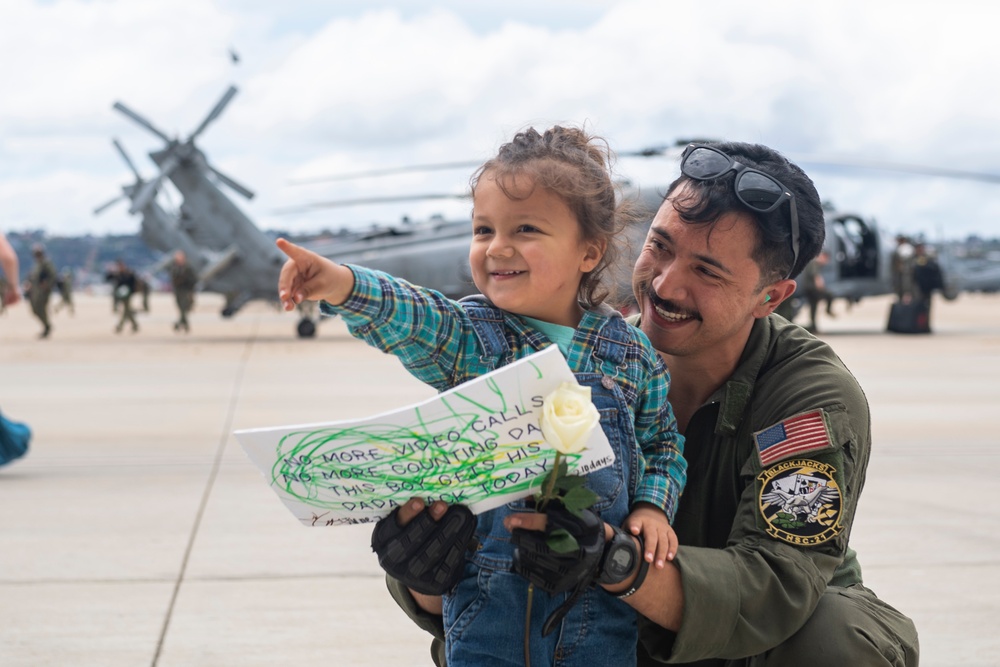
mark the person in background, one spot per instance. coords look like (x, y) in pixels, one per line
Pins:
(64, 283)
(815, 288)
(124, 284)
(41, 282)
(14, 436)
(10, 268)
(183, 280)
(902, 269)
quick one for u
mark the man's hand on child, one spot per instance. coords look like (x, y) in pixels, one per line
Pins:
(659, 537)
(423, 547)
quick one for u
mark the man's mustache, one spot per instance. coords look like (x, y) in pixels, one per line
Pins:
(646, 289)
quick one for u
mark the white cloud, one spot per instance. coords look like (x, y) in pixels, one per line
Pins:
(339, 87)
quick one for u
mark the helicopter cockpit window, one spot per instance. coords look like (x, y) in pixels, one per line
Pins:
(856, 248)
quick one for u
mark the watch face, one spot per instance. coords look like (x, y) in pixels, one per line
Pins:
(620, 562)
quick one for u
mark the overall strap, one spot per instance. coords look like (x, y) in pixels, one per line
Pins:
(487, 321)
(611, 342)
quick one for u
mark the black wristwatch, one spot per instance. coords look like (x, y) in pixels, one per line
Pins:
(619, 559)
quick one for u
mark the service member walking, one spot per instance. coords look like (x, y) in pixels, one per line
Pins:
(41, 282)
(183, 280)
(124, 285)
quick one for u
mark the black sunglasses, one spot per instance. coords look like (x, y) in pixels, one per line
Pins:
(755, 189)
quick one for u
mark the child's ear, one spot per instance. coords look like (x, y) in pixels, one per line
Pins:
(593, 256)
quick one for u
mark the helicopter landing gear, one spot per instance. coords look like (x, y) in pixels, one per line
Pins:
(306, 328)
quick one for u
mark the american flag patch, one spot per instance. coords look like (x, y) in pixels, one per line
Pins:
(796, 435)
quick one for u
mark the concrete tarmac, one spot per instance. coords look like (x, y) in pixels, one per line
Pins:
(137, 533)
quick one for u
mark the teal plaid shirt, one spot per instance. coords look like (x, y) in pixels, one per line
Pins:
(435, 341)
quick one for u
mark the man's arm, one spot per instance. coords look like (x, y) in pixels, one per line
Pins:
(424, 610)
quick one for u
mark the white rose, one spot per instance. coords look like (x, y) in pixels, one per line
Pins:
(568, 417)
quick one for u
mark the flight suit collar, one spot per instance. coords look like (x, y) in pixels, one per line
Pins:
(733, 396)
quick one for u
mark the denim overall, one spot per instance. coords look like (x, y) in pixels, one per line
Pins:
(484, 615)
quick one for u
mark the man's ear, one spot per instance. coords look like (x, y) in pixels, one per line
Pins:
(772, 296)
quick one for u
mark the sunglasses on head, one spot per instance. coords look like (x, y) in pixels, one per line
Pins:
(756, 190)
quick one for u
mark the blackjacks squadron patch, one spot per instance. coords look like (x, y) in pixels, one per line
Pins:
(801, 501)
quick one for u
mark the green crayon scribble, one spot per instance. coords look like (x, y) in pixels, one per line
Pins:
(373, 467)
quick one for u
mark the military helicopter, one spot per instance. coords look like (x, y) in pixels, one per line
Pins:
(235, 258)
(240, 261)
(232, 256)
(861, 250)
(159, 229)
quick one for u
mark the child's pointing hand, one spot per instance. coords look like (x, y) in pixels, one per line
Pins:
(308, 276)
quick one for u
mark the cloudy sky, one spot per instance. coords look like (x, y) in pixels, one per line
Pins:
(337, 87)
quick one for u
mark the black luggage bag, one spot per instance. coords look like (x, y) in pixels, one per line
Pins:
(910, 318)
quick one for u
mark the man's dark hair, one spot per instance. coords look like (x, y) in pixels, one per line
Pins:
(773, 253)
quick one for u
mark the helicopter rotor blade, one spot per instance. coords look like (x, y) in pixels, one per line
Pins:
(148, 191)
(441, 166)
(141, 121)
(108, 204)
(822, 161)
(660, 150)
(365, 201)
(652, 151)
(128, 161)
(245, 191)
(214, 113)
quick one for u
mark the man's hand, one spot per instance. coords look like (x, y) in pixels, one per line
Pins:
(426, 553)
(556, 572)
(552, 571)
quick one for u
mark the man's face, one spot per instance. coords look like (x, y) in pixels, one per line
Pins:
(697, 284)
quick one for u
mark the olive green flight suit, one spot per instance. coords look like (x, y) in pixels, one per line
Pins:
(762, 587)
(42, 280)
(183, 280)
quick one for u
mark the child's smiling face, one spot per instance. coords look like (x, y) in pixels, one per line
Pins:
(528, 254)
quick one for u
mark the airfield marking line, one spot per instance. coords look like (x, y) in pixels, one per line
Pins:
(216, 464)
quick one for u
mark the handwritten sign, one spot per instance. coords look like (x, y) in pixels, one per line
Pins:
(478, 444)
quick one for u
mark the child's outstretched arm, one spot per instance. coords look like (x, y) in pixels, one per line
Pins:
(307, 275)
(660, 539)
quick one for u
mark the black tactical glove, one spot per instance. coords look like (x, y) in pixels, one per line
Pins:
(559, 572)
(425, 555)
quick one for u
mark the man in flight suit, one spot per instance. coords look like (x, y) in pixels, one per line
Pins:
(124, 282)
(41, 282)
(777, 437)
(183, 280)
